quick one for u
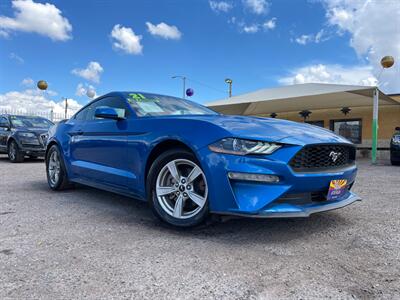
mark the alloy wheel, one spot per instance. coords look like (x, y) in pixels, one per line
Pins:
(181, 189)
(12, 152)
(54, 168)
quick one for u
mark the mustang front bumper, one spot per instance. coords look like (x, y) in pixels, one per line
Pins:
(301, 211)
(295, 195)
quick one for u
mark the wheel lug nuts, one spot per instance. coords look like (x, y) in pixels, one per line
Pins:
(188, 187)
(185, 194)
(183, 180)
(177, 185)
(177, 193)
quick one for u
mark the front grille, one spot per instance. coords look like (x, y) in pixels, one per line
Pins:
(323, 157)
(302, 198)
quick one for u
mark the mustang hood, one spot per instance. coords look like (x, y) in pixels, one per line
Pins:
(275, 130)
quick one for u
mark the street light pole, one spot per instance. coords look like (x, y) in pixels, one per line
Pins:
(66, 107)
(229, 82)
(386, 63)
(184, 84)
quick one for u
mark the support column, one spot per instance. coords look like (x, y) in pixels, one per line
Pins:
(375, 125)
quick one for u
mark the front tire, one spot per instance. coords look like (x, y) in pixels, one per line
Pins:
(14, 154)
(395, 163)
(55, 170)
(177, 189)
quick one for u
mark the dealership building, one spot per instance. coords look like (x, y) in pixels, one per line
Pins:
(345, 109)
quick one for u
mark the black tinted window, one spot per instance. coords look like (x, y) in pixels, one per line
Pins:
(119, 105)
(30, 122)
(4, 121)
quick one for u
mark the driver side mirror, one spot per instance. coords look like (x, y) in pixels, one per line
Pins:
(107, 113)
(5, 126)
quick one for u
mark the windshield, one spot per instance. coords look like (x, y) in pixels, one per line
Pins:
(157, 105)
(31, 122)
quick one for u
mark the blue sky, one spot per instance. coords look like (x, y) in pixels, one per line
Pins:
(257, 43)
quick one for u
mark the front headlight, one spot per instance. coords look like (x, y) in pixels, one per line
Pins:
(26, 134)
(243, 147)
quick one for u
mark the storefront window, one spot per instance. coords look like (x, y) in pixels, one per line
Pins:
(350, 129)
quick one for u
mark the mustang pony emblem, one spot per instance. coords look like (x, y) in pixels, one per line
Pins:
(334, 155)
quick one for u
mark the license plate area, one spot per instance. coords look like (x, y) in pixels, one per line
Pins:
(337, 189)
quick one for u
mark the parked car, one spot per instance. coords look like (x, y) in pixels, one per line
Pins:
(395, 148)
(188, 161)
(22, 136)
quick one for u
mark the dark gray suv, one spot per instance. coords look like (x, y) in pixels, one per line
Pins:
(22, 136)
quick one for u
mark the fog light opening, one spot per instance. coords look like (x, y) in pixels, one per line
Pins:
(253, 177)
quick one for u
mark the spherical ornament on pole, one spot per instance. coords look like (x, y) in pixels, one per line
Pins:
(387, 62)
(91, 93)
(42, 85)
(189, 92)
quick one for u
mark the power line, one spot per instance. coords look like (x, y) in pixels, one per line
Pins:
(206, 85)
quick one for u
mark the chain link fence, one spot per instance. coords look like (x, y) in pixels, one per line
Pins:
(51, 115)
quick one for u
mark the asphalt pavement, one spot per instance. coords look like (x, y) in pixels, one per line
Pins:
(86, 243)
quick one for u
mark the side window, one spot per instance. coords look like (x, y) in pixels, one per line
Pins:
(81, 116)
(113, 102)
(4, 122)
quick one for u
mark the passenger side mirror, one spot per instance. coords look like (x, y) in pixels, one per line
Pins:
(397, 128)
(107, 113)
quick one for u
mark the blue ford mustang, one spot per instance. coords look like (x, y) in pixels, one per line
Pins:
(188, 161)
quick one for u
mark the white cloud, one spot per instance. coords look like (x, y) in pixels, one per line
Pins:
(257, 6)
(34, 101)
(304, 39)
(4, 34)
(126, 40)
(85, 89)
(250, 28)
(320, 73)
(41, 18)
(17, 58)
(270, 24)
(320, 36)
(91, 73)
(256, 27)
(28, 82)
(375, 32)
(164, 31)
(220, 6)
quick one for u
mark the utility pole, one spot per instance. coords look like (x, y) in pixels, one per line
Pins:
(66, 107)
(184, 84)
(229, 82)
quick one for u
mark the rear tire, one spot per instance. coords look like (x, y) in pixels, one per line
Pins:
(14, 154)
(177, 189)
(55, 170)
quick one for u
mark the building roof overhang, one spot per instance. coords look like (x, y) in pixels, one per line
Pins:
(311, 96)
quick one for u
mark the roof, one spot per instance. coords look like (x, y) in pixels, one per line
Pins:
(298, 97)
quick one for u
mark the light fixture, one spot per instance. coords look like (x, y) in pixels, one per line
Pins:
(345, 110)
(229, 82)
(305, 114)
